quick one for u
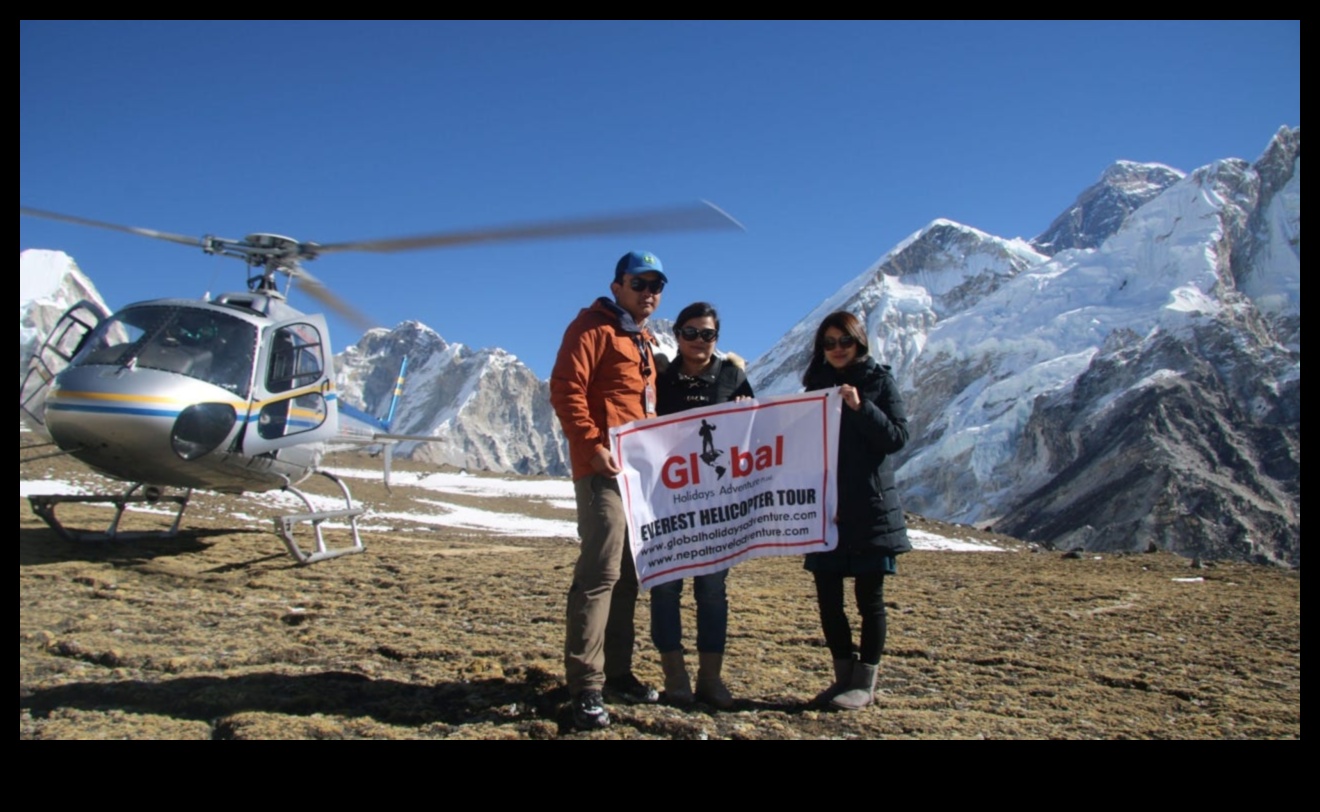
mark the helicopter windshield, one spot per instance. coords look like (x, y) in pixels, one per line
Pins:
(194, 341)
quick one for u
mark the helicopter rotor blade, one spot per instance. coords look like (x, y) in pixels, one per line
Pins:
(700, 216)
(283, 254)
(83, 221)
(316, 289)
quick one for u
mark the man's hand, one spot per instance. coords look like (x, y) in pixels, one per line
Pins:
(602, 462)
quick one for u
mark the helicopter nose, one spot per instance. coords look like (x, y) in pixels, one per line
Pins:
(141, 425)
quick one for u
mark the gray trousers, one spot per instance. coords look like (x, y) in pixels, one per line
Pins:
(599, 634)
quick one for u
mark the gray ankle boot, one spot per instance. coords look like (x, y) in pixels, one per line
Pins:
(861, 691)
(678, 686)
(843, 671)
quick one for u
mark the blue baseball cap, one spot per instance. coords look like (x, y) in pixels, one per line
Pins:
(635, 262)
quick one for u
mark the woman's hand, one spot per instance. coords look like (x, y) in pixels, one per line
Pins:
(850, 396)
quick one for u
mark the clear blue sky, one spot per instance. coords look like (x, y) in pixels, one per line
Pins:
(829, 141)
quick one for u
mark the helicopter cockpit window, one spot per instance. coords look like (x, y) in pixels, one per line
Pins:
(295, 359)
(198, 342)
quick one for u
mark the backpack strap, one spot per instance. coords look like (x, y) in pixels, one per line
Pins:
(727, 381)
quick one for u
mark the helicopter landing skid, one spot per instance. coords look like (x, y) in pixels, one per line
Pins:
(284, 525)
(44, 506)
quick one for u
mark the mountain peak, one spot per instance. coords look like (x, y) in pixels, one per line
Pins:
(1124, 170)
(946, 255)
(1102, 208)
(41, 274)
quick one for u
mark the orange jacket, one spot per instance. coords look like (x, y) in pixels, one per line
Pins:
(600, 379)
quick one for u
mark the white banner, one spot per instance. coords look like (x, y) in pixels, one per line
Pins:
(710, 487)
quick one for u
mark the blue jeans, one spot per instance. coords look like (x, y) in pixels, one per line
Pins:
(712, 614)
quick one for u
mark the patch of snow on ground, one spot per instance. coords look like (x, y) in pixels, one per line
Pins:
(49, 487)
(921, 540)
(292, 504)
(474, 519)
(561, 489)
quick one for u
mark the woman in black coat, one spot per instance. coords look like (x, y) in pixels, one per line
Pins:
(696, 378)
(872, 530)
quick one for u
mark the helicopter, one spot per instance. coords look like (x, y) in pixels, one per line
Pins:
(235, 393)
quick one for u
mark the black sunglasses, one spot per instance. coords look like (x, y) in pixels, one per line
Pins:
(639, 284)
(847, 342)
(692, 334)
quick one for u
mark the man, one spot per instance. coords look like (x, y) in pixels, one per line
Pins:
(604, 376)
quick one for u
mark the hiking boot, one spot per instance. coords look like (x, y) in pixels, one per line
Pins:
(589, 711)
(627, 688)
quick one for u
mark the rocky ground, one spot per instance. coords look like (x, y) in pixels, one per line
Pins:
(440, 634)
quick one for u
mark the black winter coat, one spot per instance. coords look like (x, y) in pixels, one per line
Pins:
(721, 382)
(870, 515)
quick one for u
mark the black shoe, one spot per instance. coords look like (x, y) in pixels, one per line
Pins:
(627, 688)
(589, 711)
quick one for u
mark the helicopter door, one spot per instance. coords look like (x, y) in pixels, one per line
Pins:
(292, 398)
(62, 343)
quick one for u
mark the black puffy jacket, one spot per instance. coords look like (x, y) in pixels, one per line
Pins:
(870, 515)
(720, 382)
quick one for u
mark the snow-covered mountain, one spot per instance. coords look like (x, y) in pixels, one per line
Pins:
(49, 282)
(1130, 377)
(487, 409)
(943, 269)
